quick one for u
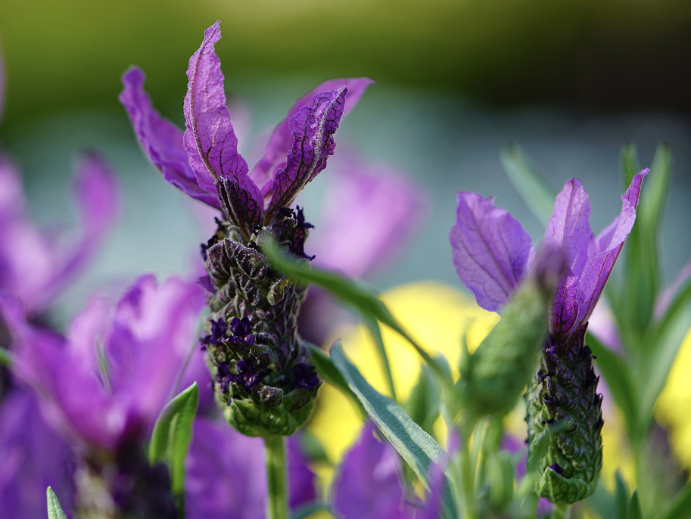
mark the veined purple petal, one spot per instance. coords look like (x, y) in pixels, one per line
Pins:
(599, 266)
(160, 139)
(490, 249)
(209, 137)
(33, 458)
(282, 138)
(568, 227)
(368, 484)
(313, 128)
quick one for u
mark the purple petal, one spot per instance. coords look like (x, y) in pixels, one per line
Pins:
(432, 507)
(598, 267)
(160, 139)
(154, 325)
(368, 484)
(301, 480)
(144, 346)
(282, 137)
(313, 128)
(33, 458)
(490, 249)
(209, 137)
(568, 227)
(226, 476)
(384, 209)
(98, 201)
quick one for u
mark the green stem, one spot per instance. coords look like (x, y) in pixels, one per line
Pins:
(467, 471)
(561, 511)
(277, 499)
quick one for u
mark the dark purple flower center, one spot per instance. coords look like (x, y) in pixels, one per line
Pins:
(306, 377)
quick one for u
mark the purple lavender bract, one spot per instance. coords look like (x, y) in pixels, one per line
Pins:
(263, 378)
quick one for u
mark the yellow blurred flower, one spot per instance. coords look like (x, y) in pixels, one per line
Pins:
(674, 404)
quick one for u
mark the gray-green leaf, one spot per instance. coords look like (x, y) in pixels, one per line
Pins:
(172, 435)
(54, 508)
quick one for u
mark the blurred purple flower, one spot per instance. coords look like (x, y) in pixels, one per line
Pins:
(204, 162)
(369, 484)
(34, 265)
(492, 252)
(33, 458)
(371, 212)
(226, 474)
(105, 384)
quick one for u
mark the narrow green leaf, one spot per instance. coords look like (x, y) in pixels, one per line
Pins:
(375, 332)
(354, 293)
(326, 369)
(172, 435)
(635, 511)
(666, 339)
(5, 357)
(531, 186)
(622, 497)
(423, 403)
(54, 508)
(618, 377)
(416, 447)
(419, 450)
(680, 505)
(642, 252)
(653, 202)
(630, 165)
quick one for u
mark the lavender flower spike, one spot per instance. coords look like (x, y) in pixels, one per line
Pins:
(260, 367)
(492, 253)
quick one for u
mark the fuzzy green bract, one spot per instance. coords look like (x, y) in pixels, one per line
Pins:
(492, 379)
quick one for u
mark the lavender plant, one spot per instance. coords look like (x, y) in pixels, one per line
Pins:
(262, 375)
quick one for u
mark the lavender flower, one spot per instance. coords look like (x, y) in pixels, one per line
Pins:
(105, 383)
(369, 484)
(260, 368)
(492, 253)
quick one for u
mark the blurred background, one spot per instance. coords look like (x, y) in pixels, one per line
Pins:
(457, 80)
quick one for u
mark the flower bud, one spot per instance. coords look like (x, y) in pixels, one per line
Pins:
(494, 376)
